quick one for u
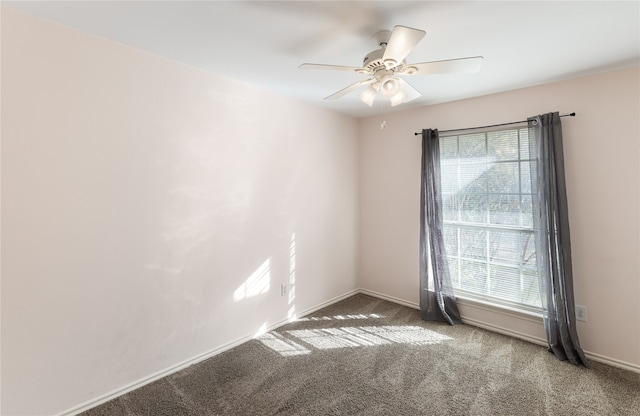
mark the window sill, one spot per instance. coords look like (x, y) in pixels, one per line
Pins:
(535, 317)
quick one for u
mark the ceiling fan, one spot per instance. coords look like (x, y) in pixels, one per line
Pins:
(384, 66)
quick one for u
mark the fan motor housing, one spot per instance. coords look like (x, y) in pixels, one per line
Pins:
(373, 61)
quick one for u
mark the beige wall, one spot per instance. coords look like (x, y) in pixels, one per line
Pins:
(603, 181)
(149, 213)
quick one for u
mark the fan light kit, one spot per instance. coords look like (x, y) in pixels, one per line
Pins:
(384, 67)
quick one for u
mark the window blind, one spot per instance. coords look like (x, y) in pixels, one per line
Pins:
(487, 211)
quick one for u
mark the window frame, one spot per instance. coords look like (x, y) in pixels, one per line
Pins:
(458, 223)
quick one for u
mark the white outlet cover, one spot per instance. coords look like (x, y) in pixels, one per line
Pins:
(581, 313)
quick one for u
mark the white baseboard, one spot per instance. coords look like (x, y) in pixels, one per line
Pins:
(208, 354)
(399, 301)
(150, 379)
(327, 303)
(505, 331)
(469, 321)
(635, 368)
(191, 361)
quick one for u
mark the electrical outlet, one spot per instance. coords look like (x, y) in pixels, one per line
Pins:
(283, 290)
(581, 313)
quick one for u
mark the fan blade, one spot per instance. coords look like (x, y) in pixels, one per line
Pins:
(450, 66)
(334, 68)
(411, 92)
(350, 88)
(403, 40)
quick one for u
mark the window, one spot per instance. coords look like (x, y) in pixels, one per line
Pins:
(487, 211)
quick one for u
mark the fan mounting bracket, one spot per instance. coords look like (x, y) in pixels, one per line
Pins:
(382, 37)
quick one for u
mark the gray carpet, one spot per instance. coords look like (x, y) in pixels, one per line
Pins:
(366, 356)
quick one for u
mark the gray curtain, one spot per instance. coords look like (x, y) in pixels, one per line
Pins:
(437, 300)
(553, 242)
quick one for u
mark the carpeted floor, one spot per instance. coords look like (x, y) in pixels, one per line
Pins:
(366, 356)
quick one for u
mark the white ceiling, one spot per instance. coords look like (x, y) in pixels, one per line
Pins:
(263, 42)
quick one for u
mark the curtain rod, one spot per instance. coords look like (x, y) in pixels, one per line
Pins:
(493, 125)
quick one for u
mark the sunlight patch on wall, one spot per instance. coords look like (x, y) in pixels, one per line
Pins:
(261, 331)
(366, 336)
(257, 284)
(282, 345)
(291, 313)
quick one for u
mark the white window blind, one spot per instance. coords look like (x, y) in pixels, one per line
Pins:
(486, 194)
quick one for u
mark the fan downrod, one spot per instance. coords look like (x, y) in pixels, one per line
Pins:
(382, 37)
